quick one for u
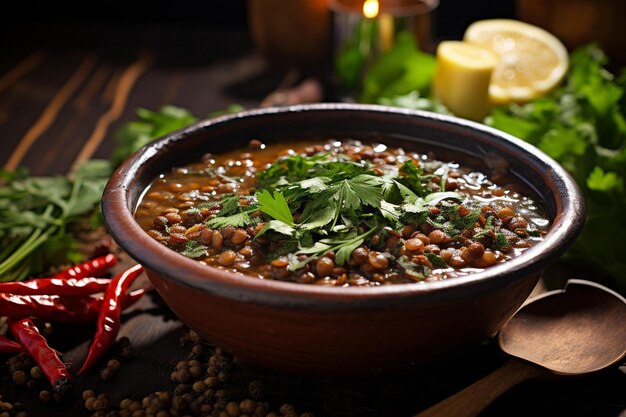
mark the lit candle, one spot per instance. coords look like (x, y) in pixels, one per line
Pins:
(365, 29)
(371, 9)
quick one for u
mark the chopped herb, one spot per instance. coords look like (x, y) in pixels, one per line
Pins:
(194, 250)
(417, 272)
(436, 260)
(487, 229)
(501, 241)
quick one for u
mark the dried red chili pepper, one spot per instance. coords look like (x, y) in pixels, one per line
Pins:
(46, 358)
(58, 309)
(9, 346)
(92, 267)
(56, 286)
(108, 323)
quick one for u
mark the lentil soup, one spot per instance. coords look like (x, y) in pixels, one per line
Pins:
(340, 213)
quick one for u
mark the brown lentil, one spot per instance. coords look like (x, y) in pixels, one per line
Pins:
(438, 236)
(238, 237)
(373, 263)
(415, 245)
(217, 241)
(19, 378)
(378, 260)
(227, 258)
(360, 255)
(324, 266)
(476, 250)
(488, 259)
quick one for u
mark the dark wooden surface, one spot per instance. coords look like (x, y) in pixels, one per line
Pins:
(57, 100)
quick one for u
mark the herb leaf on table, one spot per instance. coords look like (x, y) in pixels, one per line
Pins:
(36, 215)
(150, 126)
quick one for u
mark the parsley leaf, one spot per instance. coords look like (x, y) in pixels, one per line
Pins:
(275, 206)
(235, 220)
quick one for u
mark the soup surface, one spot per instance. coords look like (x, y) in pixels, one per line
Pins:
(339, 213)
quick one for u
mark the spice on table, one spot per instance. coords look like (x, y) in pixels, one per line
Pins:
(25, 331)
(108, 323)
(92, 267)
(201, 390)
(56, 286)
(59, 309)
(9, 346)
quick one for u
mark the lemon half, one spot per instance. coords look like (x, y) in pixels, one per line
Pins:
(463, 77)
(532, 62)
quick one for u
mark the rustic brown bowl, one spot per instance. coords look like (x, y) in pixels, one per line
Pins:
(342, 331)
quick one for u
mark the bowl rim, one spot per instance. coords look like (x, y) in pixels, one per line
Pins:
(156, 258)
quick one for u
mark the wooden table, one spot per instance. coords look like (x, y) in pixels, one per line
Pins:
(61, 105)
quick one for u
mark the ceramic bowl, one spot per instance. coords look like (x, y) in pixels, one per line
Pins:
(344, 331)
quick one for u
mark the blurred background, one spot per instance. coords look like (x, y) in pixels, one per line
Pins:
(185, 31)
(195, 32)
(34, 23)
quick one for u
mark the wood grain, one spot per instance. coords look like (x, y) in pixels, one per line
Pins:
(21, 69)
(48, 116)
(122, 91)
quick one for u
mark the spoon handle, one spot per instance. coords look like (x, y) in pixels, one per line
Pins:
(472, 400)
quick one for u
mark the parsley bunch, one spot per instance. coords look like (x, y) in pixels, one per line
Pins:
(36, 216)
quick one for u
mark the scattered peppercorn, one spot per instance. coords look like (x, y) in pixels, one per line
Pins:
(200, 390)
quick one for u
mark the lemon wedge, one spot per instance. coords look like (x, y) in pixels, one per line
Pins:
(462, 78)
(532, 62)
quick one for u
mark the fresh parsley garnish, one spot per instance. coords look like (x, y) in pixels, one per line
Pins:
(340, 204)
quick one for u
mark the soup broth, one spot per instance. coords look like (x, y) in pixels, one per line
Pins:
(340, 213)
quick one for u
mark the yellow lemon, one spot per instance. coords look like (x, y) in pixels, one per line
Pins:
(462, 78)
(532, 61)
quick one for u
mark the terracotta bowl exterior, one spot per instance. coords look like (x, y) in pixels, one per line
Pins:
(344, 331)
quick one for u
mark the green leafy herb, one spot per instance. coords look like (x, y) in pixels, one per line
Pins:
(436, 260)
(275, 206)
(583, 126)
(501, 241)
(235, 220)
(150, 126)
(417, 272)
(340, 204)
(401, 70)
(194, 250)
(37, 214)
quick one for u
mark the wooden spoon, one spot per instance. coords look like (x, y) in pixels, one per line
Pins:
(573, 331)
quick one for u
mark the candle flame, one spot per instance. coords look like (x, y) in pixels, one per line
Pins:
(370, 8)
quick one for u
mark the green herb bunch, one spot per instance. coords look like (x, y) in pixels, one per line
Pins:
(37, 214)
(583, 127)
